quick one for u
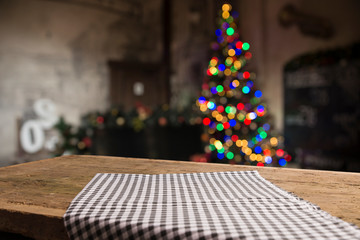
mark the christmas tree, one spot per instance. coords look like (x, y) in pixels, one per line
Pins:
(237, 121)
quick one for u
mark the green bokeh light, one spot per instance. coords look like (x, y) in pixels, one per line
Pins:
(230, 31)
(228, 109)
(245, 46)
(230, 155)
(263, 135)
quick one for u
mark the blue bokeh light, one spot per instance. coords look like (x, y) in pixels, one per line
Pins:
(202, 99)
(250, 84)
(282, 162)
(258, 94)
(218, 32)
(213, 90)
(258, 149)
(221, 67)
(266, 127)
(232, 122)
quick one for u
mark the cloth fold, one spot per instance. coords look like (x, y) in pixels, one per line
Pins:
(215, 205)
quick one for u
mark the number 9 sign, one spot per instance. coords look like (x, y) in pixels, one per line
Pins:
(32, 136)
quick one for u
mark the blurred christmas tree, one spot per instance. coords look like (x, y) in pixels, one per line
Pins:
(236, 119)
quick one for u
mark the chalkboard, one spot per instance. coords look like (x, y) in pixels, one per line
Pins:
(322, 109)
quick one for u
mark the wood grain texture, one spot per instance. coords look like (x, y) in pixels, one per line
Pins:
(34, 196)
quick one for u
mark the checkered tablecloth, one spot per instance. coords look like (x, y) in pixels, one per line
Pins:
(217, 205)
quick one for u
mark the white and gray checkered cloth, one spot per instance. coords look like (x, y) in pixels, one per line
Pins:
(217, 205)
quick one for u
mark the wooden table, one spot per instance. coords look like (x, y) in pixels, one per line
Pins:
(34, 196)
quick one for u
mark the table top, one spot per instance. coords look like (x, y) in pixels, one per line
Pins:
(34, 196)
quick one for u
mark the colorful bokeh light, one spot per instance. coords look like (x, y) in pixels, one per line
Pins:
(235, 114)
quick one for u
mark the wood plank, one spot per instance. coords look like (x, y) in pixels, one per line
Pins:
(34, 196)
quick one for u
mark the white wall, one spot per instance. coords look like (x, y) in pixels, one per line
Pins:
(51, 49)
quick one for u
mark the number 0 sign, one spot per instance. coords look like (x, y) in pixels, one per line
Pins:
(32, 136)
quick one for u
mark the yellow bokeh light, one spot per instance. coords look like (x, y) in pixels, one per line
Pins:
(218, 144)
(214, 113)
(231, 52)
(226, 7)
(225, 15)
(259, 158)
(237, 64)
(244, 143)
(203, 108)
(213, 62)
(236, 83)
(248, 151)
(227, 72)
(219, 117)
(231, 116)
(274, 141)
(252, 157)
(120, 121)
(229, 60)
(238, 143)
(213, 70)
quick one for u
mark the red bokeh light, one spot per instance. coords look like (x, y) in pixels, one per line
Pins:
(260, 164)
(279, 152)
(246, 75)
(240, 106)
(206, 121)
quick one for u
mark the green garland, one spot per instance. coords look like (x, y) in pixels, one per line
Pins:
(78, 140)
